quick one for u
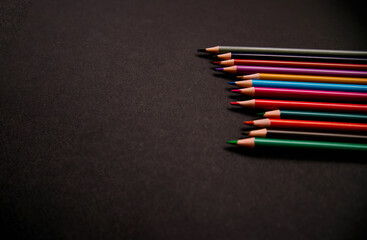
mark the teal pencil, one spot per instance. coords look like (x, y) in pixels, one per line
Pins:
(294, 114)
(287, 143)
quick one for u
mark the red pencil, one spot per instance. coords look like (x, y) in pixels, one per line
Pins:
(312, 125)
(268, 104)
(276, 63)
(289, 93)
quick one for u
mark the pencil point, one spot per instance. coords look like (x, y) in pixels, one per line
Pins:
(239, 77)
(233, 142)
(225, 56)
(260, 114)
(248, 122)
(218, 69)
(235, 103)
(216, 62)
(235, 90)
(232, 83)
(201, 50)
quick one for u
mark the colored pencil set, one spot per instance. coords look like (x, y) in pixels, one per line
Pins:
(309, 98)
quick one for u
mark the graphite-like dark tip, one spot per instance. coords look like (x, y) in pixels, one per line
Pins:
(202, 50)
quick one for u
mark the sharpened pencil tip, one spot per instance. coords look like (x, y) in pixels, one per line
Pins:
(235, 103)
(233, 142)
(216, 62)
(248, 122)
(260, 114)
(245, 132)
(232, 83)
(218, 69)
(202, 50)
(235, 90)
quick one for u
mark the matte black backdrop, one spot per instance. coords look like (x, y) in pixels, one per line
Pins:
(112, 126)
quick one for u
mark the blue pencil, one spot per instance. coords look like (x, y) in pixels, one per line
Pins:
(301, 85)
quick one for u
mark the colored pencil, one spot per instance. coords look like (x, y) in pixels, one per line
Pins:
(292, 51)
(301, 85)
(293, 114)
(269, 104)
(309, 125)
(230, 55)
(305, 135)
(242, 69)
(290, 93)
(276, 63)
(304, 78)
(271, 142)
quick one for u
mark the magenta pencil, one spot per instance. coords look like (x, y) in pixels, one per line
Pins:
(290, 93)
(287, 70)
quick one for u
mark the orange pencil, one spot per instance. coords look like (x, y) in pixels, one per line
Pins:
(304, 78)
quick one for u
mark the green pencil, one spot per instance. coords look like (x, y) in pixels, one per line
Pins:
(273, 142)
(287, 51)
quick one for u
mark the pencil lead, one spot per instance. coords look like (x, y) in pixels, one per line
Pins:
(235, 90)
(248, 122)
(218, 69)
(235, 103)
(260, 113)
(216, 62)
(202, 50)
(233, 142)
(239, 77)
(232, 83)
(245, 132)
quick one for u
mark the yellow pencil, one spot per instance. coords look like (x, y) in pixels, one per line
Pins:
(304, 78)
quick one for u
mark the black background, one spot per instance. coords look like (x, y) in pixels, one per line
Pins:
(112, 126)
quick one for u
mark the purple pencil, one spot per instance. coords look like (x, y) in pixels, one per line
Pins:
(285, 70)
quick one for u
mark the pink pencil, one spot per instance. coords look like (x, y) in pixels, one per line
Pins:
(289, 93)
(242, 69)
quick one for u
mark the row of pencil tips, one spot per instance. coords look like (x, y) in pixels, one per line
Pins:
(308, 104)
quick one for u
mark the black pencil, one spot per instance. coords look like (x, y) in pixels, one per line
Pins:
(271, 133)
(232, 55)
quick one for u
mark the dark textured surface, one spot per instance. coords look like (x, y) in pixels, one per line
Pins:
(113, 128)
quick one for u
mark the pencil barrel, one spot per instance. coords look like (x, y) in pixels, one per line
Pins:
(283, 57)
(319, 136)
(287, 93)
(242, 69)
(318, 125)
(343, 117)
(313, 106)
(311, 78)
(309, 85)
(293, 51)
(271, 142)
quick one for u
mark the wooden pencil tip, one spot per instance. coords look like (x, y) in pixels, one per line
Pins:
(235, 90)
(218, 69)
(233, 142)
(245, 132)
(216, 62)
(235, 103)
(248, 122)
